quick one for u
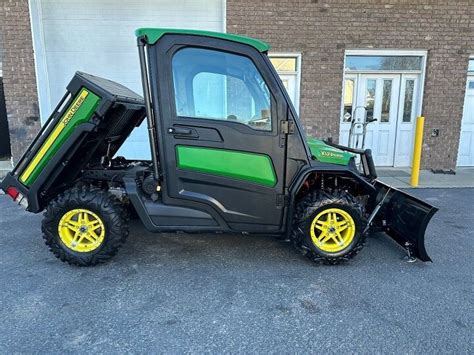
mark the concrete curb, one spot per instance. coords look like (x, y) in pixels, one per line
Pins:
(400, 178)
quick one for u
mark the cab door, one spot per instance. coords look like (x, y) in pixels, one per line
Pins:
(220, 108)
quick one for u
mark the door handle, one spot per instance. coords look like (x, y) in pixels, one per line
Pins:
(180, 131)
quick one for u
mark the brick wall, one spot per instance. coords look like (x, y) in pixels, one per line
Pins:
(322, 29)
(18, 74)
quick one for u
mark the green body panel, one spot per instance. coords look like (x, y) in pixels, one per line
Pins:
(154, 34)
(327, 154)
(83, 114)
(253, 167)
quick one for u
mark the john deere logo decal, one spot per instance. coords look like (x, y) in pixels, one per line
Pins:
(326, 153)
(74, 107)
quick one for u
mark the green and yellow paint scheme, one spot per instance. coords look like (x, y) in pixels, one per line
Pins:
(247, 166)
(239, 165)
(80, 111)
(327, 154)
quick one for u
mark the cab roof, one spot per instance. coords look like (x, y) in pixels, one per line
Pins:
(154, 34)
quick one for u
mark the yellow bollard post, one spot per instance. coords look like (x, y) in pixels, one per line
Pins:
(415, 166)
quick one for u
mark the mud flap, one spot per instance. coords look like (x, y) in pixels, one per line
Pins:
(404, 218)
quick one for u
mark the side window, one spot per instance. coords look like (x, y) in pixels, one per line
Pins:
(217, 85)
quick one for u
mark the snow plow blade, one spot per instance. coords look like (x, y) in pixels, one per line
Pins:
(404, 218)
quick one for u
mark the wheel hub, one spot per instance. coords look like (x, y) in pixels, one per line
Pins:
(332, 230)
(81, 230)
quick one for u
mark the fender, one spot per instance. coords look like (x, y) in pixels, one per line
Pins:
(329, 169)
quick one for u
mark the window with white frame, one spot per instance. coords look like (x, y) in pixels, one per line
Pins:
(288, 67)
(470, 67)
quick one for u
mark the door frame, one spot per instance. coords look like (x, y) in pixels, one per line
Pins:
(412, 123)
(387, 52)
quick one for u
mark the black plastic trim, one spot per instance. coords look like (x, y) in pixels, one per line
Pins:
(323, 168)
(366, 158)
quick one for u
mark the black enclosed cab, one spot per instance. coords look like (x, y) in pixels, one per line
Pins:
(228, 154)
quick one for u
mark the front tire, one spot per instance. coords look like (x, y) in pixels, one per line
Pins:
(85, 226)
(328, 226)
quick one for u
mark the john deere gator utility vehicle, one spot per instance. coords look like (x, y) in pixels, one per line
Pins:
(228, 154)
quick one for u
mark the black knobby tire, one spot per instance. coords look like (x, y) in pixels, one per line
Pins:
(101, 202)
(309, 207)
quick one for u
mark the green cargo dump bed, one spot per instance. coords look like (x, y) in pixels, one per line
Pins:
(88, 126)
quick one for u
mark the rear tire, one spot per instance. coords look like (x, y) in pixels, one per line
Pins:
(328, 227)
(85, 226)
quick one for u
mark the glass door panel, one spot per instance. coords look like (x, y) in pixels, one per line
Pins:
(408, 100)
(349, 94)
(370, 91)
(386, 100)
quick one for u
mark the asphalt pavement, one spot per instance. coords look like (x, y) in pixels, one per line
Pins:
(247, 294)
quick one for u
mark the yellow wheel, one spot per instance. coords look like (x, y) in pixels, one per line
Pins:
(85, 226)
(332, 230)
(81, 230)
(328, 226)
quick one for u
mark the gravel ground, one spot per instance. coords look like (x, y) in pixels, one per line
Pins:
(228, 293)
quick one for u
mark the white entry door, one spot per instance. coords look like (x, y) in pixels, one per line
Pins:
(374, 96)
(466, 142)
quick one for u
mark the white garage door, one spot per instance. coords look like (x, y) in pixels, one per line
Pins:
(97, 37)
